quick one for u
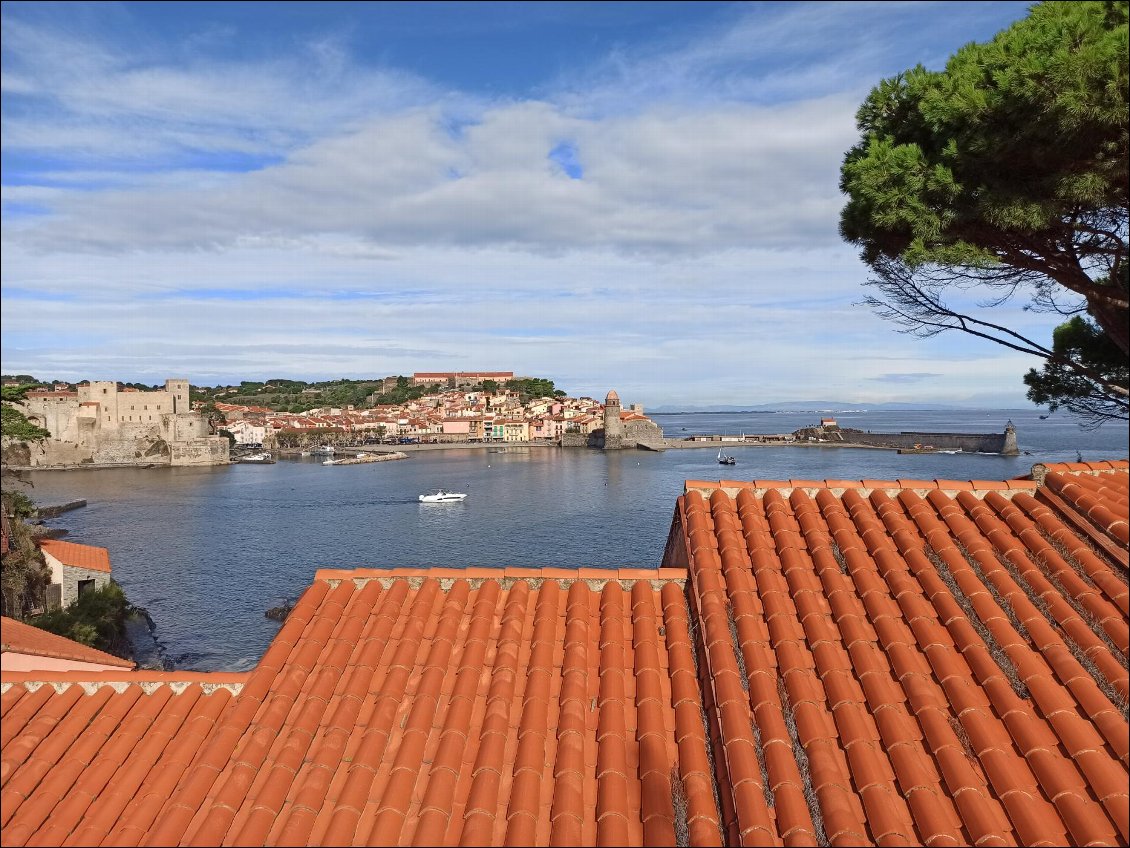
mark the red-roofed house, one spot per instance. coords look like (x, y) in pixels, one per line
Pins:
(27, 648)
(75, 570)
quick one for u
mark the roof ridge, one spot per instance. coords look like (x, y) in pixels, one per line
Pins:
(503, 573)
(732, 487)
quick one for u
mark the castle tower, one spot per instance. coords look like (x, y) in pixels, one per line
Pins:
(105, 394)
(179, 390)
(613, 426)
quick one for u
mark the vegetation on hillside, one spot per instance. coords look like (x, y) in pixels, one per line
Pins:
(527, 388)
(24, 575)
(13, 423)
(297, 396)
(1006, 175)
(405, 392)
(96, 619)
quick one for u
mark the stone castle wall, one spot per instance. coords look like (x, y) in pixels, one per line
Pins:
(1002, 443)
(632, 435)
(208, 450)
(101, 426)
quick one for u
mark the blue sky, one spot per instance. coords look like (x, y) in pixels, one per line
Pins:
(640, 196)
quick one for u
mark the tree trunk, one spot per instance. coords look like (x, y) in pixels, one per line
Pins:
(1113, 321)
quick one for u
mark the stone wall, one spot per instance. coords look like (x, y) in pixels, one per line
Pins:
(634, 433)
(208, 450)
(71, 578)
(967, 442)
(80, 439)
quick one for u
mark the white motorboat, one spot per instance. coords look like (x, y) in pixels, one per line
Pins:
(440, 496)
(262, 456)
(323, 450)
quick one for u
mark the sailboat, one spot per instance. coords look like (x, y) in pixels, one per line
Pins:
(726, 459)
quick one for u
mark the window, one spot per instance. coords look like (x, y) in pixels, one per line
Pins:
(85, 586)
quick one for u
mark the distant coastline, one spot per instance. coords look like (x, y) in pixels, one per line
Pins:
(842, 409)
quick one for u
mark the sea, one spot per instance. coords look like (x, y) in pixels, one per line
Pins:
(207, 551)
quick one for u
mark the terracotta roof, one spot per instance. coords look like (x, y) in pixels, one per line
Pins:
(20, 638)
(837, 662)
(77, 556)
(913, 662)
(429, 708)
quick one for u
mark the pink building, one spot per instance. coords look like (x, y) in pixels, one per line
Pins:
(456, 427)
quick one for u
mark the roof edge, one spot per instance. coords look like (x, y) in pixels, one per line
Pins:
(504, 573)
(149, 680)
(865, 487)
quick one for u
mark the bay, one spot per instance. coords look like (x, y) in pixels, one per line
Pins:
(208, 550)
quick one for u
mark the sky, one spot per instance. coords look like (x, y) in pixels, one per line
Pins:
(632, 196)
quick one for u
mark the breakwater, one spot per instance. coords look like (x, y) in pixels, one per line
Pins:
(1002, 443)
(831, 435)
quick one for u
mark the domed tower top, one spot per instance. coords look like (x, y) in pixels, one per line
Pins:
(612, 398)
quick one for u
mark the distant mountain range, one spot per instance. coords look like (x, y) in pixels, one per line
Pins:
(809, 406)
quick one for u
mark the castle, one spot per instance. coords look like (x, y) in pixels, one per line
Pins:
(102, 425)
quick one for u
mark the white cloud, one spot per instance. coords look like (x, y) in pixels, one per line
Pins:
(310, 216)
(661, 182)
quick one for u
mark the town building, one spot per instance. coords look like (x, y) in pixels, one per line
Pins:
(101, 424)
(75, 570)
(845, 662)
(459, 379)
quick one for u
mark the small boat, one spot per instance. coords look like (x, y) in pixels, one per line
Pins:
(1043, 418)
(304, 453)
(261, 457)
(323, 450)
(726, 459)
(440, 496)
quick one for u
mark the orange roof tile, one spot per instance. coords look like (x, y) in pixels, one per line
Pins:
(77, 556)
(20, 638)
(920, 664)
(845, 662)
(392, 710)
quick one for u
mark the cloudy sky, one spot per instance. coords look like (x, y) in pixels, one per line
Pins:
(640, 196)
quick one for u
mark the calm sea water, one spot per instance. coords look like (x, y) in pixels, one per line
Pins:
(208, 550)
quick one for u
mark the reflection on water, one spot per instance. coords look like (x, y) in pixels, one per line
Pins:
(208, 550)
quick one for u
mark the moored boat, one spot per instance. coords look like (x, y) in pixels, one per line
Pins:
(440, 496)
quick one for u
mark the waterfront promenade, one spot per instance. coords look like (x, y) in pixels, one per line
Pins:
(713, 442)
